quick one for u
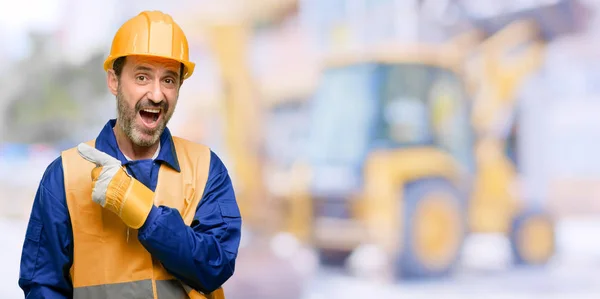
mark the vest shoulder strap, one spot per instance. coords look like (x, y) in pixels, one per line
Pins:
(194, 162)
(192, 150)
(73, 170)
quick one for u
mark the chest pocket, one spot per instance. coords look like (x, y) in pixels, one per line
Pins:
(177, 190)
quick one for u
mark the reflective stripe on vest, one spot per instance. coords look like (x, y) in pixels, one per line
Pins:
(108, 259)
(135, 290)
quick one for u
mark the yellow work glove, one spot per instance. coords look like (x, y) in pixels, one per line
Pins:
(114, 189)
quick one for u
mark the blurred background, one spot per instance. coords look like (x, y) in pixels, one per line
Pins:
(379, 148)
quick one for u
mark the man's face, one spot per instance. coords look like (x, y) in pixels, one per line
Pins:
(147, 94)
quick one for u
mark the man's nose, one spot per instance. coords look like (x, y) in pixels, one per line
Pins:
(155, 94)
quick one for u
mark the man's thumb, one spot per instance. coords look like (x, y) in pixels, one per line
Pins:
(95, 156)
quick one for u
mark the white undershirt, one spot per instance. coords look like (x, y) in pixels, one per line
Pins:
(153, 157)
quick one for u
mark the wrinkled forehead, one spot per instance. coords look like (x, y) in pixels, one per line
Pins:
(154, 64)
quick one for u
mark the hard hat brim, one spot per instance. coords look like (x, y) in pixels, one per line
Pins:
(188, 66)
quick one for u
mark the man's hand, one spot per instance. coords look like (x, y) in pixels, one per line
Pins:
(114, 189)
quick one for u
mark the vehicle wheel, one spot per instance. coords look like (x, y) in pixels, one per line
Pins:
(532, 238)
(434, 229)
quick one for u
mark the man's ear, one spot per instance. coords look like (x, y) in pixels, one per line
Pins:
(112, 81)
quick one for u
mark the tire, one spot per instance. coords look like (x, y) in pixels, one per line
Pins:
(532, 238)
(433, 229)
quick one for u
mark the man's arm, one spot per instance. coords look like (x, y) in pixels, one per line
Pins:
(47, 250)
(203, 255)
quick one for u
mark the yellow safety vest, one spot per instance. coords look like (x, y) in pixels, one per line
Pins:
(108, 259)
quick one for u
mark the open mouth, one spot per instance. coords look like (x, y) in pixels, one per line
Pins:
(150, 117)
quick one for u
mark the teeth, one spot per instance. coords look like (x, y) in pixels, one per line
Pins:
(151, 110)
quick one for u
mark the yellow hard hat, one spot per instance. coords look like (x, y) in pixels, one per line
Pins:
(151, 33)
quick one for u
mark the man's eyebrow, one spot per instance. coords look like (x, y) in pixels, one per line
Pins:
(172, 73)
(147, 69)
(142, 68)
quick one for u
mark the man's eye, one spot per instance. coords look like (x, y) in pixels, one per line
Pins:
(141, 78)
(169, 81)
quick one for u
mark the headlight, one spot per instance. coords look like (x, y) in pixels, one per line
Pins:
(302, 259)
(284, 245)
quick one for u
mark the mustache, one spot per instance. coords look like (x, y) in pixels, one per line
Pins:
(144, 104)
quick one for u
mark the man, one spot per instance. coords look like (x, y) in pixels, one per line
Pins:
(135, 213)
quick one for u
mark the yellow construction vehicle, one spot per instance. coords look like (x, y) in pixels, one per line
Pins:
(391, 168)
(407, 152)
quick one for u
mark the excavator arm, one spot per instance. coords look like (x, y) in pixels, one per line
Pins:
(513, 46)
